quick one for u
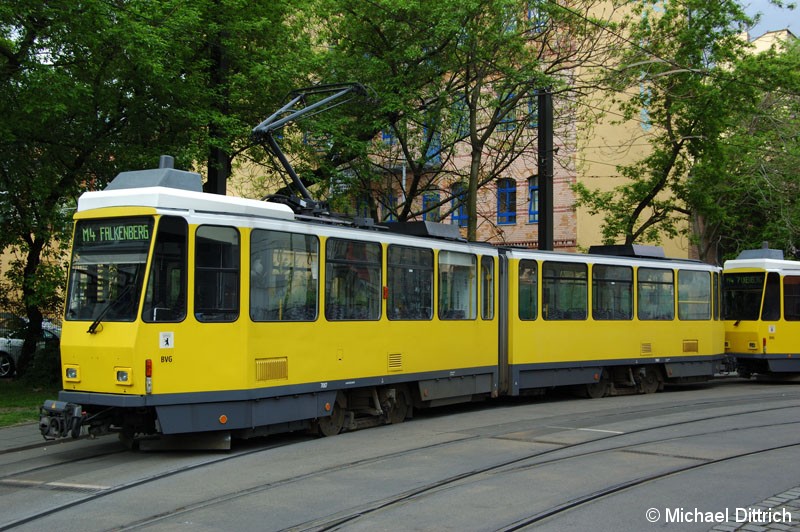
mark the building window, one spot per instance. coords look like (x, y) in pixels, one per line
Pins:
(506, 202)
(509, 120)
(430, 207)
(533, 199)
(459, 201)
(389, 207)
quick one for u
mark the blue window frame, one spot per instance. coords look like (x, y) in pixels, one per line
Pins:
(430, 208)
(459, 202)
(362, 206)
(537, 18)
(506, 201)
(533, 111)
(389, 206)
(533, 199)
(433, 153)
(387, 137)
(509, 121)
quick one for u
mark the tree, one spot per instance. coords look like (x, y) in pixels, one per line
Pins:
(93, 87)
(455, 82)
(751, 195)
(676, 71)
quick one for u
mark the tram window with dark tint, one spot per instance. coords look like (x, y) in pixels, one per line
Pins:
(410, 281)
(772, 298)
(352, 280)
(741, 295)
(458, 287)
(165, 298)
(216, 287)
(528, 307)
(564, 291)
(612, 292)
(487, 288)
(694, 295)
(656, 294)
(791, 298)
(284, 276)
(717, 296)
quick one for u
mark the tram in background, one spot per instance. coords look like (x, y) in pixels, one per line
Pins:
(761, 302)
(193, 313)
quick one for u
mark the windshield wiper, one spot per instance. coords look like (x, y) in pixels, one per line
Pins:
(93, 327)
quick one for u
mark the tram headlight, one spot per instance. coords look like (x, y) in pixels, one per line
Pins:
(124, 376)
(71, 373)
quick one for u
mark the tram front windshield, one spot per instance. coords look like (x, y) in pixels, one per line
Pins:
(108, 266)
(741, 295)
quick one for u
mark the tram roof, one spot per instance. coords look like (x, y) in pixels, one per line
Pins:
(171, 198)
(762, 264)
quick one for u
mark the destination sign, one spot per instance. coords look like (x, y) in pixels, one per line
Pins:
(743, 280)
(113, 231)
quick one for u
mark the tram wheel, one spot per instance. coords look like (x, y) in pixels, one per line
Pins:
(399, 408)
(333, 424)
(651, 380)
(599, 389)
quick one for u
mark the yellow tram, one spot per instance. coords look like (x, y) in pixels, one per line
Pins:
(195, 313)
(761, 294)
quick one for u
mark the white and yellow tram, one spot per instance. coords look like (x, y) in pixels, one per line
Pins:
(192, 313)
(761, 296)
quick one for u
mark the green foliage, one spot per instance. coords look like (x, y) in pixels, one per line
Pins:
(88, 89)
(683, 91)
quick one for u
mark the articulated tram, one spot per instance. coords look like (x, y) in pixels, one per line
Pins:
(196, 313)
(761, 293)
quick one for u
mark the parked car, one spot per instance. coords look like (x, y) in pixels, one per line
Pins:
(12, 336)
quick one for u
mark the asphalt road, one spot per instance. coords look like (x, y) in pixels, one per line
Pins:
(690, 458)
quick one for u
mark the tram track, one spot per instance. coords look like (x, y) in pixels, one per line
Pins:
(335, 520)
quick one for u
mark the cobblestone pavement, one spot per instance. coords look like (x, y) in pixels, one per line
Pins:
(779, 512)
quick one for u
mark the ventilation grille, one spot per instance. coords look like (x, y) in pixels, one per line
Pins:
(270, 369)
(647, 349)
(395, 362)
(691, 346)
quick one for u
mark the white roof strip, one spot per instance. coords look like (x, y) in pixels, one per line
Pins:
(171, 198)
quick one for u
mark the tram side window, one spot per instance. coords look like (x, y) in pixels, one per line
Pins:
(716, 296)
(656, 294)
(564, 291)
(165, 299)
(694, 295)
(216, 287)
(352, 280)
(772, 298)
(487, 288)
(791, 298)
(284, 276)
(458, 289)
(612, 292)
(410, 283)
(528, 306)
